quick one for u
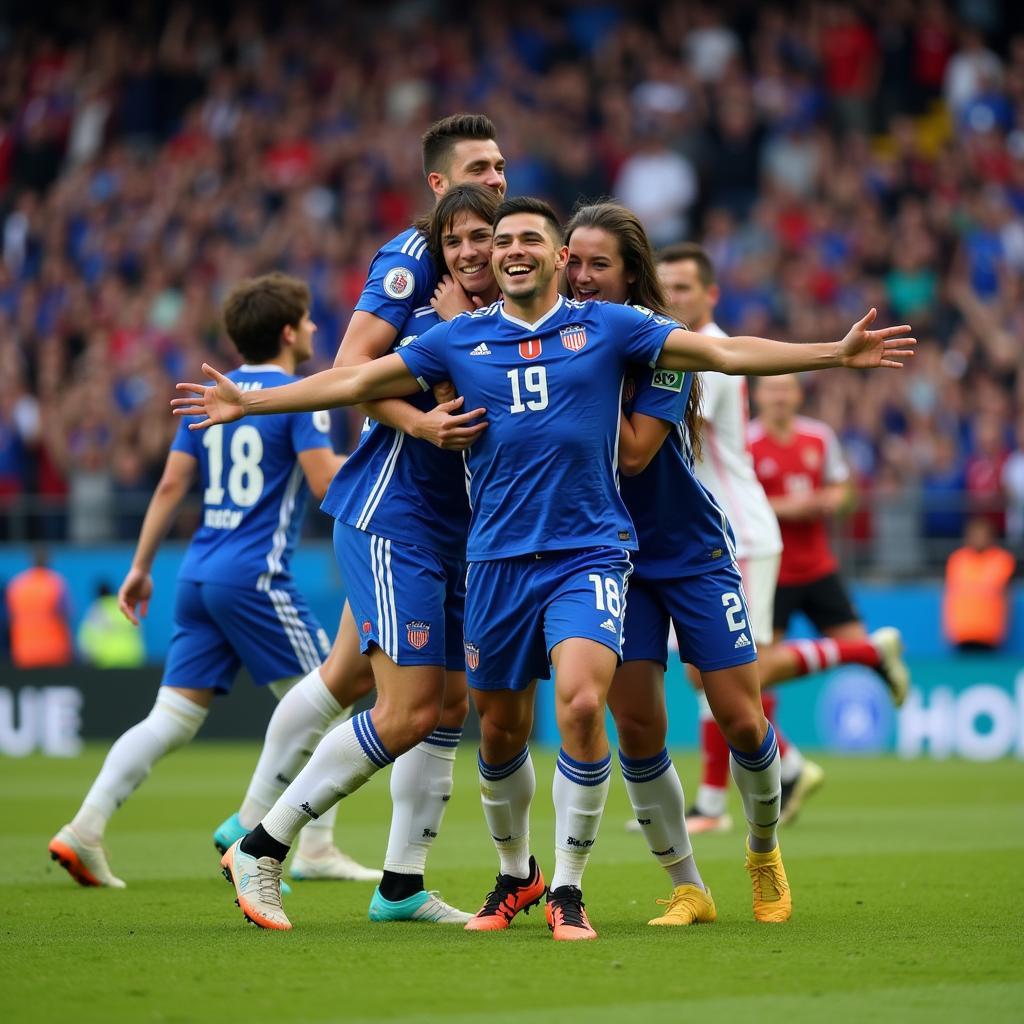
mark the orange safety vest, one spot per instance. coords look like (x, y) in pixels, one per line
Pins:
(975, 606)
(40, 635)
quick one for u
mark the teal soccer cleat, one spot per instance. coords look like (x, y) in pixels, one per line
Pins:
(420, 906)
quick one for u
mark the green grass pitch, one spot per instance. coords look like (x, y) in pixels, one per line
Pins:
(906, 881)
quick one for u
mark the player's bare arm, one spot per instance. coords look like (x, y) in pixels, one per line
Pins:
(137, 587)
(862, 349)
(224, 402)
(367, 338)
(640, 438)
(319, 467)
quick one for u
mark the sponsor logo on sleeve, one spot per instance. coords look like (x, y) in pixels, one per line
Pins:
(399, 282)
(668, 380)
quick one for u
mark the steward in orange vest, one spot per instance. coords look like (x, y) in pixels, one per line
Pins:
(37, 608)
(976, 605)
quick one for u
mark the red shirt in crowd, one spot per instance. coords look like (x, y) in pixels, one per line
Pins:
(809, 461)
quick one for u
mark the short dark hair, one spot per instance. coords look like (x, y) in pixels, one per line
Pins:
(257, 310)
(440, 138)
(530, 204)
(690, 251)
(478, 199)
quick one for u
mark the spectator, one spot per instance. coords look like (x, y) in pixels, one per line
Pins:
(106, 638)
(975, 605)
(38, 613)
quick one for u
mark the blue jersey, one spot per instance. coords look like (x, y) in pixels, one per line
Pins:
(542, 476)
(254, 490)
(400, 487)
(680, 529)
(402, 278)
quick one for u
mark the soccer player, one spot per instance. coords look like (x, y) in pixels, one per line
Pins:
(402, 278)
(800, 464)
(548, 548)
(235, 603)
(725, 467)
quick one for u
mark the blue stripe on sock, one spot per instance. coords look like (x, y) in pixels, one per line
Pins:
(362, 724)
(644, 769)
(444, 737)
(762, 757)
(585, 773)
(495, 772)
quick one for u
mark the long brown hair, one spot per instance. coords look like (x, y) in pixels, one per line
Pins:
(638, 258)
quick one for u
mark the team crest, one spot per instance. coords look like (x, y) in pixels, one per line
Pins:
(472, 657)
(418, 634)
(366, 626)
(574, 337)
(399, 283)
(530, 349)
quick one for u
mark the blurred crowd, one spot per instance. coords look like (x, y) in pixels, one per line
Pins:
(831, 156)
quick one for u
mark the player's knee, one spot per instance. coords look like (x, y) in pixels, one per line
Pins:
(581, 709)
(744, 730)
(502, 737)
(456, 708)
(639, 732)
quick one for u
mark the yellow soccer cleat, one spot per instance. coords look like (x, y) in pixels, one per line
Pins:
(690, 904)
(772, 899)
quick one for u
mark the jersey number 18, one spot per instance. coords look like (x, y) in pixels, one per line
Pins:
(245, 477)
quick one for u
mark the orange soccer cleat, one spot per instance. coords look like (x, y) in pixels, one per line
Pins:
(567, 915)
(508, 897)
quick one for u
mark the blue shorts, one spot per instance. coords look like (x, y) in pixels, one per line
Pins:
(217, 629)
(518, 609)
(709, 612)
(407, 600)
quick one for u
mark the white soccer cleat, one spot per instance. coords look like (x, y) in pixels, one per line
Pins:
(257, 882)
(807, 783)
(331, 866)
(85, 862)
(893, 669)
(421, 906)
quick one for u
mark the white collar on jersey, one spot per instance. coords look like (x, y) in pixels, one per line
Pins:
(261, 368)
(531, 327)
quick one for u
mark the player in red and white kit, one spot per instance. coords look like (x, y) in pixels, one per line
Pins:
(726, 469)
(800, 464)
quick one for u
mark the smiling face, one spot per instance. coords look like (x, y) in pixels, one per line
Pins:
(595, 269)
(466, 244)
(525, 256)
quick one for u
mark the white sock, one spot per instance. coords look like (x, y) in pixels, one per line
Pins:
(173, 721)
(300, 719)
(579, 792)
(792, 764)
(506, 792)
(656, 794)
(343, 760)
(757, 777)
(421, 786)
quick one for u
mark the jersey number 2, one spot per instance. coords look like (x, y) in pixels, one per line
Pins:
(245, 478)
(535, 381)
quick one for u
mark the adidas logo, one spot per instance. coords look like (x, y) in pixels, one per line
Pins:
(610, 626)
(481, 350)
(741, 641)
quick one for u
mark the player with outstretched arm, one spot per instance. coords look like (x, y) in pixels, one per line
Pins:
(549, 536)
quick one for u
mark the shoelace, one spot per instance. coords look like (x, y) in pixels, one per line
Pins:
(268, 880)
(687, 899)
(765, 876)
(492, 905)
(571, 909)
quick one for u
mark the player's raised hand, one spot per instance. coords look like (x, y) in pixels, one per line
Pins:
(865, 349)
(450, 299)
(447, 428)
(134, 594)
(219, 403)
